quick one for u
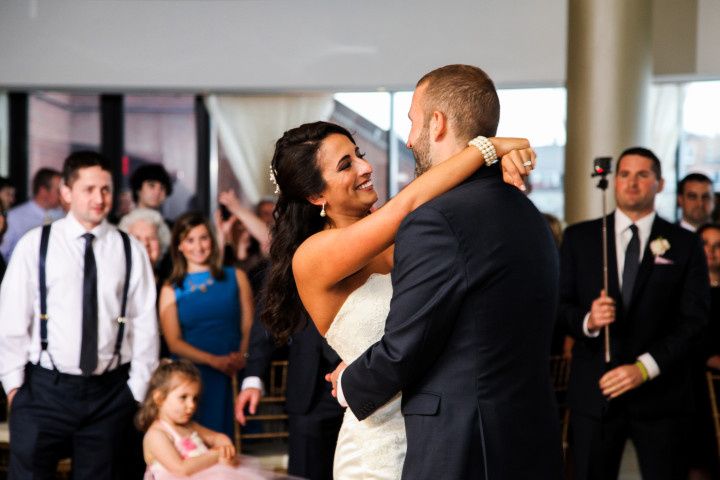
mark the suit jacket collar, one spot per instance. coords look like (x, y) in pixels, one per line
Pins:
(486, 172)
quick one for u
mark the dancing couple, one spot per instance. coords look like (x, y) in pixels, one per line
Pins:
(441, 303)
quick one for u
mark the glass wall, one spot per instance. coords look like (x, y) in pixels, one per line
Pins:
(161, 129)
(59, 124)
(700, 134)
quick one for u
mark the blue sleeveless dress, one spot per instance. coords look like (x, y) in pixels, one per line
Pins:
(210, 320)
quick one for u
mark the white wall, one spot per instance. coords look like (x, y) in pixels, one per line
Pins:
(271, 45)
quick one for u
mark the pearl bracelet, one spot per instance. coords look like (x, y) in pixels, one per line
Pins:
(486, 148)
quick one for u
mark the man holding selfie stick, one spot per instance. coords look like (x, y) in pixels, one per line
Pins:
(655, 305)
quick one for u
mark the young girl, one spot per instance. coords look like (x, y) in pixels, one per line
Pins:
(175, 446)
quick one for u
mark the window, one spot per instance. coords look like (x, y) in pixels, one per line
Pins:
(161, 129)
(367, 116)
(61, 123)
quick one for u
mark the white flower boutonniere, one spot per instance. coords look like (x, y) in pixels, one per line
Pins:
(659, 246)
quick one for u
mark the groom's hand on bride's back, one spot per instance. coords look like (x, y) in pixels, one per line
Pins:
(248, 397)
(332, 377)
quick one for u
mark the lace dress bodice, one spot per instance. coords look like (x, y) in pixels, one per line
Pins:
(374, 448)
(360, 322)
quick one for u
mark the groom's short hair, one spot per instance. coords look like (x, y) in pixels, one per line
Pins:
(466, 95)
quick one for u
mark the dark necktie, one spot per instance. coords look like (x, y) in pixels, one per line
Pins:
(632, 262)
(88, 350)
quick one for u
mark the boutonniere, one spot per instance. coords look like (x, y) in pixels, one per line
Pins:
(658, 247)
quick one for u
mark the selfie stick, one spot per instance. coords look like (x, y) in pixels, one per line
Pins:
(601, 167)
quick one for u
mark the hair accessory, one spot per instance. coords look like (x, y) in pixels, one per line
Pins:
(322, 212)
(486, 148)
(274, 180)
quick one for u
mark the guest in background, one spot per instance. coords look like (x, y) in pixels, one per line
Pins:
(7, 193)
(314, 416)
(716, 211)
(562, 342)
(255, 225)
(265, 209)
(151, 185)
(74, 391)
(206, 311)
(43, 208)
(149, 228)
(241, 250)
(696, 200)
(656, 308)
(3, 228)
(703, 447)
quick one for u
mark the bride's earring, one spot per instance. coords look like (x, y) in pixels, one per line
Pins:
(322, 212)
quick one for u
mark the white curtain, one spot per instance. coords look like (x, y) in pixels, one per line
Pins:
(665, 125)
(249, 126)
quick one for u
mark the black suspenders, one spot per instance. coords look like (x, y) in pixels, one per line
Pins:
(122, 320)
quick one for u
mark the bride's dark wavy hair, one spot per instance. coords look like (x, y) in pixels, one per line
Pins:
(298, 176)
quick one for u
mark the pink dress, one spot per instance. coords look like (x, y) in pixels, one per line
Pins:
(192, 446)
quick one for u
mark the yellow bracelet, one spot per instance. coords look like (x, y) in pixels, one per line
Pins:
(643, 371)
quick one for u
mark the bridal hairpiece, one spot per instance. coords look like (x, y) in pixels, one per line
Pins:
(274, 180)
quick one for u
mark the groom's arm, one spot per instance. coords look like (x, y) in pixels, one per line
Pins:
(429, 283)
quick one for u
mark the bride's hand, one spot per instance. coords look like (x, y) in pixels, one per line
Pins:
(516, 165)
(505, 145)
(333, 377)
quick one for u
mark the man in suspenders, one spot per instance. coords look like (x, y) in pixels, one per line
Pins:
(78, 333)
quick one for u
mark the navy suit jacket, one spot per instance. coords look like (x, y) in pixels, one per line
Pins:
(467, 339)
(309, 359)
(668, 310)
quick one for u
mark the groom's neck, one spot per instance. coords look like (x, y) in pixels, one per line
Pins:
(446, 149)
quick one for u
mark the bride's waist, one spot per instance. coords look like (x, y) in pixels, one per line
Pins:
(389, 411)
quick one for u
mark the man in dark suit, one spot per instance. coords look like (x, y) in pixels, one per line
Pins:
(314, 415)
(656, 305)
(467, 339)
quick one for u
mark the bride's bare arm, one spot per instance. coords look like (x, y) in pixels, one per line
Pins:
(332, 255)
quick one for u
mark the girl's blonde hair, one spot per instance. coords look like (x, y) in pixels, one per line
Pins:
(161, 381)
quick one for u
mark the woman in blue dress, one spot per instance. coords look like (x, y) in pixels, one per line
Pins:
(205, 313)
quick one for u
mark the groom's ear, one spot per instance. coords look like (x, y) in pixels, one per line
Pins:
(438, 126)
(317, 200)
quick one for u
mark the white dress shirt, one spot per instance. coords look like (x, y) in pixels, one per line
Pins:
(623, 235)
(687, 226)
(19, 305)
(22, 219)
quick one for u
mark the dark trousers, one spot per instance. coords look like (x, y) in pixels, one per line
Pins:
(660, 443)
(55, 416)
(313, 437)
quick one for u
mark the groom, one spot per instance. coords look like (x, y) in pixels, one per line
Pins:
(467, 339)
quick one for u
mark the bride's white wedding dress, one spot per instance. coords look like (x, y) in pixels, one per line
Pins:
(374, 448)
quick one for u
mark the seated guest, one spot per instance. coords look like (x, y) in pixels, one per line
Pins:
(43, 208)
(7, 193)
(205, 314)
(696, 200)
(151, 185)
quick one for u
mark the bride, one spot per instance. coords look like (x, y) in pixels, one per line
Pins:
(331, 259)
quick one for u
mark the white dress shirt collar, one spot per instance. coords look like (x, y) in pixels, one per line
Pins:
(687, 226)
(623, 236)
(74, 229)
